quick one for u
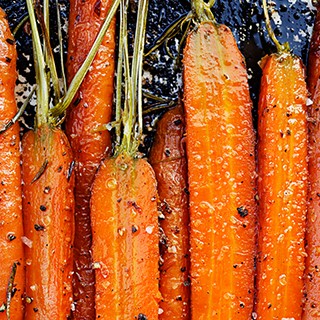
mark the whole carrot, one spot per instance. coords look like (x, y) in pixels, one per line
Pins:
(91, 109)
(124, 204)
(312, 277)
(48, 202)
(48, 220)
(11, 227)
(221, 172)
(125, 239)
(282, 185)
(168, 160)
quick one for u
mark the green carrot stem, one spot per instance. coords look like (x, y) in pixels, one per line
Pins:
(78, 78)
(132, 112)
(64, 78)
(280, 47)
(202, 10)
(122, 34)
(40, 68)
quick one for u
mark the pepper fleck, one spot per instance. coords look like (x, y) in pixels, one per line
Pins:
(43, 208)
(77, 101)
(10, 41)
(243, 212)
(35, 309)
(38, 227)
(134, 229)
(167, 152)
(11, 236)
(142, 316)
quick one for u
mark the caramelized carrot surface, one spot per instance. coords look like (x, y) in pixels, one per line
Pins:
(312, 273)
(125, 239)
(282, 186)
(90, 110)
(168, 160)
(11, 227)
(221, 173)
(48, 207)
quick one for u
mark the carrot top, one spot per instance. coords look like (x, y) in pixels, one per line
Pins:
(280, 47)
(129, 117)
(46, 71)
(202, 10)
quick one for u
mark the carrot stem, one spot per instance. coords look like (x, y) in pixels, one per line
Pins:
(40, 66)
(78, 78)
(133, 87)
(280, 47)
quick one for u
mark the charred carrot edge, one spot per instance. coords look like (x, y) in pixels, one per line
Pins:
(221, 174)
(282, 184)
(11, 226)
(312, 276)
(124, 213)
(48, 222)
(92, 107)
(168, 159)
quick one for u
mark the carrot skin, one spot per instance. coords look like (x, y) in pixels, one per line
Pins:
(125, 239)
(282, 187)
(168, 159)
(312, 276)
(91, 109)
(221, 173)
(11, 226)
(48, 207)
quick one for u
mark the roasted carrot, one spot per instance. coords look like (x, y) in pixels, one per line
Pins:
(221, 172)
(282, 185)
(312, 276)
(124, 213)
(48, 203)
(168, 160)
(91, 108)
(11, 226)
(48, 220)
(125, 239)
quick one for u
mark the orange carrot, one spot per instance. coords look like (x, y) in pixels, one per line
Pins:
(124, 204)
(48, 202)
(282, 185)
(168, 160)
(312, 276)
(125, 239)
(221, 173)
(11, 227)
(91, 108)
(48, 221)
